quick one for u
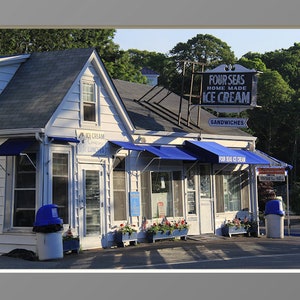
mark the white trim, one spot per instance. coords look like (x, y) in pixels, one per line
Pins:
(20, 132)
(13, 59)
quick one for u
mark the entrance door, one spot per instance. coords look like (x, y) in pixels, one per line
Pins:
(199, 200)
(192, 202)
(92, 198)
(206, 200)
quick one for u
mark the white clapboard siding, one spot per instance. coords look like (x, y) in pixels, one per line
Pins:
(68, 116)
(10, 242)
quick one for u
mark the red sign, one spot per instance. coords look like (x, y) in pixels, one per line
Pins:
(271, 171)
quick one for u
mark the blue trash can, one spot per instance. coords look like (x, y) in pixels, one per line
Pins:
(274, 216)
(48, 227)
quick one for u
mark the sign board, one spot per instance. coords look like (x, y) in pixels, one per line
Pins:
(228, 122)
(134, 204)
(228, 88)
(271, 174)
(91, 142)
(271, 171)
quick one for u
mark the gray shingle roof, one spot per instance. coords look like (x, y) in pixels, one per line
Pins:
(41, 83)
(38, 87)
(156, 108)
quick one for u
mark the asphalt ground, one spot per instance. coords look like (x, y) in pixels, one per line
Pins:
(202, 249)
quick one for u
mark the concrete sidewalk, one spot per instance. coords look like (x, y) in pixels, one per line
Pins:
(118, 258)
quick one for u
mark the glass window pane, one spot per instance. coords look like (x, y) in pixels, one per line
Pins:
(205, 184)
(228, 188)
(60, 184)
(24, 191)
(146, 195)
(92, 188)
(120, 195)
(88, 92)
(162, 200)
(60, 164)
(24, 208)
(89, 112)
(177, 184)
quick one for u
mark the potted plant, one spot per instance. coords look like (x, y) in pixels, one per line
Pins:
(126, 233)
(181, 229)
(70, 242)
(166, 230)
(236, 226)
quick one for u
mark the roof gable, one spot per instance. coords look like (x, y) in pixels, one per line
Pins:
(39, 86)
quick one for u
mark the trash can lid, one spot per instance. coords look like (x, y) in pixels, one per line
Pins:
(47, 215)
(274, 207)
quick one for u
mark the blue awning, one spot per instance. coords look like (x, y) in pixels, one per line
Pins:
(170, 152)
(13, 147)
(273, 162)
(127, 145)
(252, 158)
(214, 152)
(64, 139)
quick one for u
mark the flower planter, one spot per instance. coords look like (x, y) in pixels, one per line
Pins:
(152, 237)
(181, 233)
(122, 238)
(71, 244)
(230, 230)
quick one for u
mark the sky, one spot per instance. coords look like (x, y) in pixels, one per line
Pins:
(240, 41)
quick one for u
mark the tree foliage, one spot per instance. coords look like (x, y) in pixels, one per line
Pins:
(19, 41)
(204, 48)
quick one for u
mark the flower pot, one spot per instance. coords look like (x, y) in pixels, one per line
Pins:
(122, 238)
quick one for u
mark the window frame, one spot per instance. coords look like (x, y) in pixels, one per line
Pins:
(124, 190)
(68, 152)
(15, 189)
(175, 177)
(84, 102)
(243, 190)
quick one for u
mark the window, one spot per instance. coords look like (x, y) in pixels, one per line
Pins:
(229, 190)
(191, 192)
(60, 184)
(205, 181)
(92, 188)
(88, 97)
(119, 182)
(161, 194)
(24, 190)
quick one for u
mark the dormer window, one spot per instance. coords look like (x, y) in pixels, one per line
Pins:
(88, 96)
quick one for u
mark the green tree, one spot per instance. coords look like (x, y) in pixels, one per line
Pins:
(201, 52)
(252, 63)
(158, 62)
(19, 41)
(267, 122)
(204, 48)
(287, 63)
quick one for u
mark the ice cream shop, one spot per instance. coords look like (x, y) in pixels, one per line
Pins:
(109, 152)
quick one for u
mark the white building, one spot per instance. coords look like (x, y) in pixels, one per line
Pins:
(72, 136)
